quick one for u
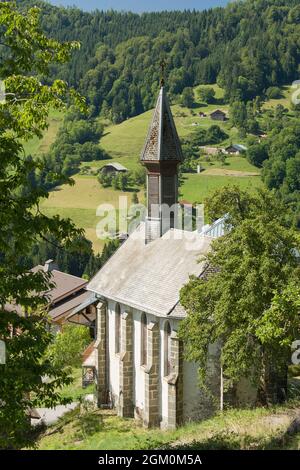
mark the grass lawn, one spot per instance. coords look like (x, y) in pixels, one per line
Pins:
(80, 202)
(75, 390)
(260, 428)
(37, 146)
(285, 101)
(234, 163)
(196, 187)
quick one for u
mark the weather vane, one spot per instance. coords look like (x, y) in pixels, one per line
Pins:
(162, 72)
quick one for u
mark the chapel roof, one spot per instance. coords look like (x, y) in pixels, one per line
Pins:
(149, 276)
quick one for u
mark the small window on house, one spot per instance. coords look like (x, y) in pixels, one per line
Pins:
(143, 339)
(167, 349)
(118, 328)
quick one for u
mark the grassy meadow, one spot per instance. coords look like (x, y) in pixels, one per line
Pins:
(38, 146)
(285, 100)
(197, 187)
(79, 203)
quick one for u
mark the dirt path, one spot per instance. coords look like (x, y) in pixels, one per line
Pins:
(51, 415)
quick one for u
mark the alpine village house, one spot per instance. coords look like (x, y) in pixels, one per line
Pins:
(137, 356)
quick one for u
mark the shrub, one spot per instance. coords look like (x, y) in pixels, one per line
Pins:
(207, 94)
(274, 93)
(68, 346)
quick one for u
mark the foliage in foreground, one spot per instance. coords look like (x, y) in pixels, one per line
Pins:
(68, 345)
(26, 52)
(251, 302)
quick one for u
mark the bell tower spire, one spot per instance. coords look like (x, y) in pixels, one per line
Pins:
(161, 155)
(162, 70)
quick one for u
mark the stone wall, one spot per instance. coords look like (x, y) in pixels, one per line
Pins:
(126, 406)
(175, 385)
(151, 411)
(100, 346)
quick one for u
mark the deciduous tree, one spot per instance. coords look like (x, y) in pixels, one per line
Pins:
(250, 302)
(25, 53)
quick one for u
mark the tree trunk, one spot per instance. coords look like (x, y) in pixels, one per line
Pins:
(273, 389)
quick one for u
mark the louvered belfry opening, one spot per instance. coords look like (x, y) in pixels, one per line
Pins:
(161, 155)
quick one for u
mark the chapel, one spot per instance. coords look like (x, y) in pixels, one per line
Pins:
(139, 363)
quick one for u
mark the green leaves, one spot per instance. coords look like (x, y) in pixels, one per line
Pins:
(24, 52)
(25, 46)
(69, 345)
(251, 303)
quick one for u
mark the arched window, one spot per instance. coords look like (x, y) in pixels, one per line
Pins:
(143, 339)
(167, 349)
(118, 328)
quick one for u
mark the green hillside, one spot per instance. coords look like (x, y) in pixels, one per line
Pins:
(38, 146)
(124, 142)
(79, 203)
(284, 100)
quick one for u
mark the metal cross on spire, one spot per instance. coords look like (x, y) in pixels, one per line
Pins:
(162, 72)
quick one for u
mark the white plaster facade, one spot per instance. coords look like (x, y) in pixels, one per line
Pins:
(192, 397)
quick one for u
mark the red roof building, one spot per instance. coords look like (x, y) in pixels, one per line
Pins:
(67, 294)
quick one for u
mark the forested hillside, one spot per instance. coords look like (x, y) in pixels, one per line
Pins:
(246, 47)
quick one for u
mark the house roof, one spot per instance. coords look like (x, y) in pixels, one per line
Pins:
(238, 147)
(149, 277)
(162, 143)
(63, 297)
(65, 284)
(218, 111)
(89, 300)
(66, 307)
(117, 166)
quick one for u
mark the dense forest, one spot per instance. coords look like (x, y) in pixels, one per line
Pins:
(79, 259)
(246, 47)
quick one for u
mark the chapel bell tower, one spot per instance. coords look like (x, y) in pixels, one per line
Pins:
(161, 155)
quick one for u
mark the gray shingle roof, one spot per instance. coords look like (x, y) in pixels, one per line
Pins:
(117, 166)
(179, 311)
(162, 141)
(149, 277)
